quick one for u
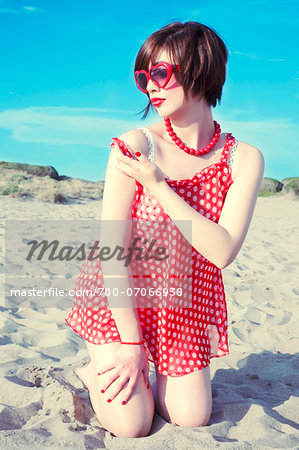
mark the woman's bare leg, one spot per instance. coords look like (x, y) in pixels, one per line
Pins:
(185, 400)
(134, 419)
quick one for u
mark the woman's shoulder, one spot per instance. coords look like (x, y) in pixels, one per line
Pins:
(136, 139)
(248, 151)
(248, 156)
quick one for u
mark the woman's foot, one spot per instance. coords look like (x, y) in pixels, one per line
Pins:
(85, 374)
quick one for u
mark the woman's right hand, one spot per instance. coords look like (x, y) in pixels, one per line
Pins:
(129, 362)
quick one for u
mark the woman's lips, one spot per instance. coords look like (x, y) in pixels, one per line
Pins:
(157, 101)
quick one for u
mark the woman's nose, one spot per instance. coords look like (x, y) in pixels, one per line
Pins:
(151, 86)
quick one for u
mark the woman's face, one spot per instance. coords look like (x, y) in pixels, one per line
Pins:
(172, 94)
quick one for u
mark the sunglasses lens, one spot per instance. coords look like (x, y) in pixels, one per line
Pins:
(159, 75)
(141, 81)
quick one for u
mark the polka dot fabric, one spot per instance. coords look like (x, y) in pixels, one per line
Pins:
(178, 340)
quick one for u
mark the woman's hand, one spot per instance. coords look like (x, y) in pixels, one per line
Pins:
(141, 169)
(129, 362)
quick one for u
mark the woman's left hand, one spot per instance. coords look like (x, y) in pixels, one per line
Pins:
(141, 169)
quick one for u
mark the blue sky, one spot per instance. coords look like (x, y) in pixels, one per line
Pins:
(59, 106)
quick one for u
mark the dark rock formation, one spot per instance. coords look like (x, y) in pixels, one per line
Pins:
(39, 171)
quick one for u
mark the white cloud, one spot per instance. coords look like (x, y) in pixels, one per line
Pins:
(17, 10)
(274, 137)
(64, 126)
(31, 8)
(258, 58)
(95, 127)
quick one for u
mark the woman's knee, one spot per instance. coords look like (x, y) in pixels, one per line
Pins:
(187, 400)
(132, 430)
(132, 425)
(197, 416)
(134, 419)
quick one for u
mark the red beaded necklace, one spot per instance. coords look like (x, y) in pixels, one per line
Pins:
(192, 151)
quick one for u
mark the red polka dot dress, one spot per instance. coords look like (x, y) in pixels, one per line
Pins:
(178, 340)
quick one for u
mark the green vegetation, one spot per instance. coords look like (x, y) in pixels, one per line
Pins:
(293, 184)
(10, 189)
(18, 178)
(291, 178)
(44, 184)
(266, 193)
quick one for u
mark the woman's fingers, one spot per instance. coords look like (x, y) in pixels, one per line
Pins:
(106, 368)
(146, 377)
(146, 373)
(123, 149)
(121, 152)
(124, 169)
(141, 157)
(130, 388)
(117, 388)
(107, 385)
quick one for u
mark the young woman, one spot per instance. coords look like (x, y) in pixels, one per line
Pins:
(181, 168)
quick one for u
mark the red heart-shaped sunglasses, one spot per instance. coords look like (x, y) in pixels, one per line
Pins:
(159, 74)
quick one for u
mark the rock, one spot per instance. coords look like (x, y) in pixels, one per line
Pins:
(270, 185)
(39, 171)
(291, 186)
(64, 178)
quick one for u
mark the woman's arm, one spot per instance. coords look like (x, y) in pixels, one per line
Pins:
(220, 242)
(118, 195)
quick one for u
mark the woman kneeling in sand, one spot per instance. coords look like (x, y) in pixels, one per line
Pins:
(180, 168)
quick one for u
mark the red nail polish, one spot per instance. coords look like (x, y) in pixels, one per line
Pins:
(99, 373)
(102, 390)
(148, 385)
(109, 400)
(137, 153)
(123, 402)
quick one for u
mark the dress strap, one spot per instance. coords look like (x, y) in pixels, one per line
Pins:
(231, 154)
(151, 145)
(229, 150)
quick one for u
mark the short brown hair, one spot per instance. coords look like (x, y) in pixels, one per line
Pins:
(200, 52)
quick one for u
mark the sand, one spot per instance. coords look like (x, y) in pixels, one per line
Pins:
(255, 388)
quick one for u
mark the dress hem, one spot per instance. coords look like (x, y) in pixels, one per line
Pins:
(151, 360)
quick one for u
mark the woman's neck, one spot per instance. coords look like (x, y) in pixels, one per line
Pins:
(194, 124)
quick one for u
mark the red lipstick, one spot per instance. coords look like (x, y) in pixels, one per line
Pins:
(157, 101)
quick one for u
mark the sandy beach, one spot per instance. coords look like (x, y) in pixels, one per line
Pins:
(255, 388)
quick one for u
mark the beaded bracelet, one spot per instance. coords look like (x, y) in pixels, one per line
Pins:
(133, 343)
